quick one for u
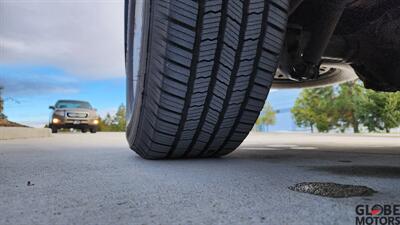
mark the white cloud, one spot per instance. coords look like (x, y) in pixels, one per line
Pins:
(33, 85)
(83, 37)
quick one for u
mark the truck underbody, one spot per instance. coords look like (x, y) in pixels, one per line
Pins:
(362, 33)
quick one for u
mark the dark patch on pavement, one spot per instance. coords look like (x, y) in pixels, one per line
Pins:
(261, 155)
(29, 183)
(332, 190)
(362, 171)
(345, 161)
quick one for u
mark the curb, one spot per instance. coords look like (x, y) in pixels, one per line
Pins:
(7, 133)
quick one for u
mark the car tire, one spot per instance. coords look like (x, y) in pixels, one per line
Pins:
(84, 130)
(198, 73)
(93, 130)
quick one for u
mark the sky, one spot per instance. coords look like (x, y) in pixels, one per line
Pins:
(72, 49)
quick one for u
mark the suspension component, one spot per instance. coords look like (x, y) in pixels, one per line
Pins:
(322, 30)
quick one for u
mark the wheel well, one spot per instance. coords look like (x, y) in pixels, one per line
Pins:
(365, 37)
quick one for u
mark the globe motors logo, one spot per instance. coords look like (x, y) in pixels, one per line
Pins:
(378, 214)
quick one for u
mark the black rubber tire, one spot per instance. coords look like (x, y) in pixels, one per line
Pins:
(204, 74)
(84, 130)
(93, 130)
(54, 130)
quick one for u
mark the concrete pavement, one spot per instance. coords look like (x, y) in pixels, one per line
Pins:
(7, 133)
(96, 179)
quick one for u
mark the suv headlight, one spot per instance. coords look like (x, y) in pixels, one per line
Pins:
(59, 113)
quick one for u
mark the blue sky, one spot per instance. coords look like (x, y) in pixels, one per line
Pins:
(60, 49)
(283, 100)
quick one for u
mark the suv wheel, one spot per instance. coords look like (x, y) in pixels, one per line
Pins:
(198, 73)
(54, 130)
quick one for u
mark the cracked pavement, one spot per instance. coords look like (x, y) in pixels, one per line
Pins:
(96, 179)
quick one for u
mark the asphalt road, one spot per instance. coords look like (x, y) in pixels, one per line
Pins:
(96, 179)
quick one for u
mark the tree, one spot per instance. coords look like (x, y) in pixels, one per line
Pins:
(379, 111)
(102, 125)
(314, 108)
(108, 120)
(2, 116)
(115, 123)
(119, 119)
(1, 100)
(346, 105)
(267, 116)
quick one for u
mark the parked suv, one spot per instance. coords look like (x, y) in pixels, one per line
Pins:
(73, 114)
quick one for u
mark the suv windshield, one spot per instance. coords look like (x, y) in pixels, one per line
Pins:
(73, 104)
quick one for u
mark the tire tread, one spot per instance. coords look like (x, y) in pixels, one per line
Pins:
(211, 65)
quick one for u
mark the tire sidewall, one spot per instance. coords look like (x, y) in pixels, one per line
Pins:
(135, 100)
